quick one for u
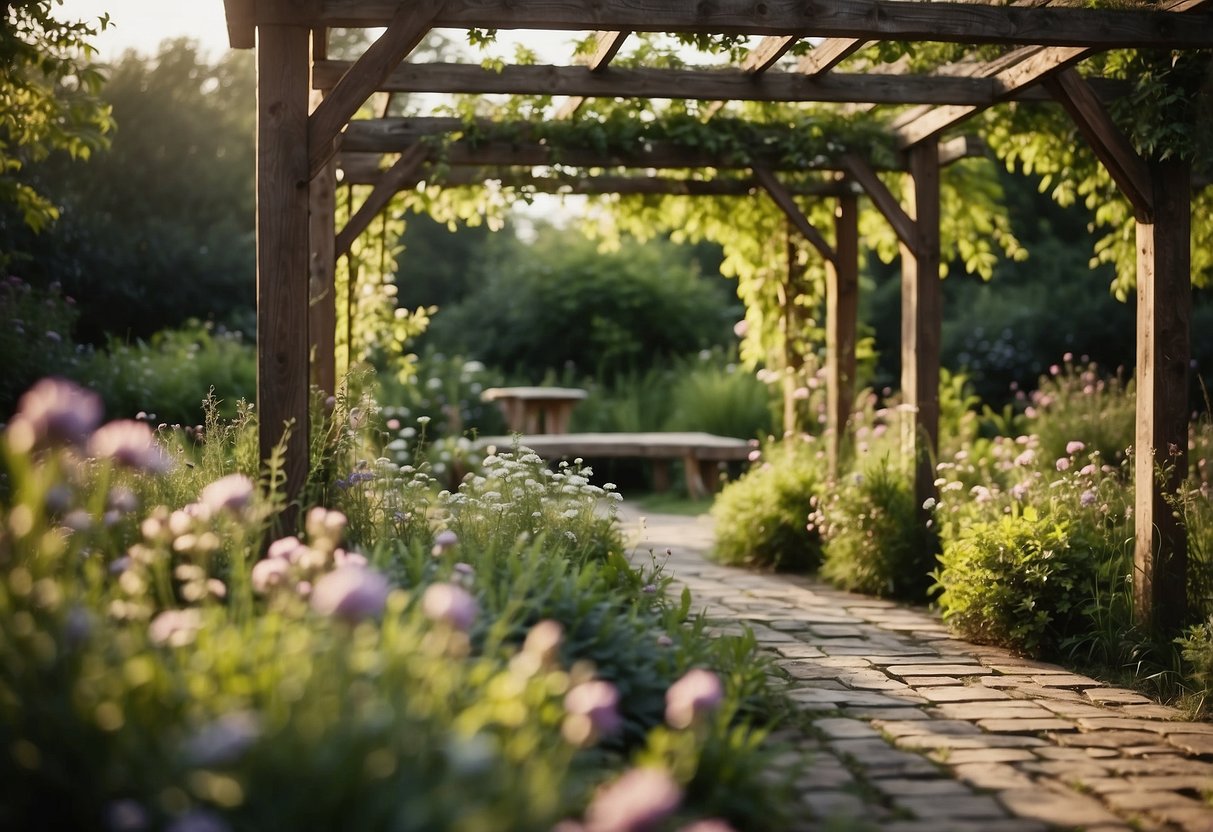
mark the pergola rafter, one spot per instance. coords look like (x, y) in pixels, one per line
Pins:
(300, 142)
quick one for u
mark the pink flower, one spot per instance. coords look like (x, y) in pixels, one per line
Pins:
(592, 711)
(351, 593)
(444, 542)
(285, 548)
(543, 640)
(691, 697)
(709, 825)
(664, 641)
(175, 628)
(54, 412)
(230, 493)
(1075, 447)
(451, 605)
(269, 573)
(1063, 463)
(635, 802)
(130, 444)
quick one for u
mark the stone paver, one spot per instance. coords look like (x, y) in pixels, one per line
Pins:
(915, 731)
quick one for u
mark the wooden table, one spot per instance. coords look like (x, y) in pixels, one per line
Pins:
(535, 410)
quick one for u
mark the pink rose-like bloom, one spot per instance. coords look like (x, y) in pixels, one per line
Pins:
(322, 524)
(1075, 447)
(709, 825)
(664, 641)
(54, 412)
(1063, 463)
(594, 705)
(450, 604)
(285, 548)
(175, 628)
(130, 444)
(230, 493)
(351, 593)
(637, 801)
(692, 696)
(269, 573)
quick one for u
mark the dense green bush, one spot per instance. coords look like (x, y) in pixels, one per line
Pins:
(762, 518)
(36, 338)
(872, 538)
(560, 305)
(1076, 401)
(168, 376)
(468, 673)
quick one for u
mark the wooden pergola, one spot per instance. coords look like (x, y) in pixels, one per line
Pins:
(305, 134)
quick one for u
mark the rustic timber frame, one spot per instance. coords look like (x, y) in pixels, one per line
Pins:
(305, 103)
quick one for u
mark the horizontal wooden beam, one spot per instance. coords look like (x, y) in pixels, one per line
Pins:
(241, 23)
(606, 47)
(764, 56)
(366, 169)
(956, 22)
(705, 85)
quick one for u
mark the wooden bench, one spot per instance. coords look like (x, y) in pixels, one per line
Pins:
(701, 453)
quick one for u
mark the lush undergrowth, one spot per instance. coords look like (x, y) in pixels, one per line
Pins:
(409, 656)
(1028, 545)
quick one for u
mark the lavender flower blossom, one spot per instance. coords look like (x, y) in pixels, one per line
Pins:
(693, 696)
(444, 542)
(591, 712)
(230, 493)
(54, 412)
(1075, 447)
(637, 801)
(223, 741)
(268, 573)
(451, 605)
(351, 593)
(130, 444)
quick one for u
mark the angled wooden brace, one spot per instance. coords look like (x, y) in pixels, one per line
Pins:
(410, 24)
(783, 198)
(888, 205)
(393, 180)
(608, 45)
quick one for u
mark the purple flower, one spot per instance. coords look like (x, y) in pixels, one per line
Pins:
(351, 593)
(691, 697)
(269, 573)
(635, 802)
(451, 605)
(199, 820)
(130, 444)
(54, 412)
(444, 542)
(285, 548)
(664, 640)
(1075, 447)
(223, 741)
(126, 815)
(230, 493)
(1019, 490)
(1063, 463)
(1087, 498)
(591, 711)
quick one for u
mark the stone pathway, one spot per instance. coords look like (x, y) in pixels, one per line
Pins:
(921, 732)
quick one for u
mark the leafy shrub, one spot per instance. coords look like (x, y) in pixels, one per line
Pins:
(1077, 402)
(568, 306)
(168, 376)
(1197, 650)
(35, 339)
(761, 518)
(873, 540)
(713, 396)
(1019, 581)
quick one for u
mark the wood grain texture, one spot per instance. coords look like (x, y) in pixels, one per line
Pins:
(828, 54)
(868, 19)
(1127, 169)
(282, 246)
(922, 322)
(705, 85)
(322, 263)
(768, 51)
(409, 23)
(888, 205)
(1164, 304)
(842, 321)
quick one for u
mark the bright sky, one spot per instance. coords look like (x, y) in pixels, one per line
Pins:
(143, 24)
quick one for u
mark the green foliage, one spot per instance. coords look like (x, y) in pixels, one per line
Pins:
(49, 88)
(150, 670)
(168, 377)
(710, 395)
(36, 339)
(872, 538)
(761, 518)
(1197, 650)
(565, 305)
(1076, 401)
(159, 228)
(1018, 581)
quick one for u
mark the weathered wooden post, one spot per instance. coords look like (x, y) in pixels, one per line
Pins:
(842, 318)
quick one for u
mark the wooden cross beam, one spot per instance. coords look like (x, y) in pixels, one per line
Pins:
(955, 22)
(784, 199)
(829, 54)
(400, 175)
(606, 48)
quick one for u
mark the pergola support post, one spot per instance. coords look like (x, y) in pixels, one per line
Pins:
(322, 289)
(842, 317)
(1164, 304)
(282, 249)
(921, 321)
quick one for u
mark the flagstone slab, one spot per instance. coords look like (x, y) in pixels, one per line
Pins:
(991, 776)
(961, 693)
(1107, 739)
(1066, 810)
(928, 669)
(1117, 696)
(999, 709)
(1198, 744)
(1025, 726)
(943, 810)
